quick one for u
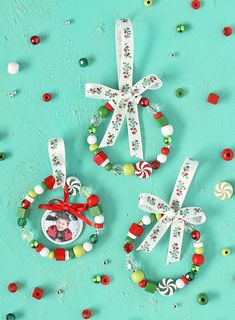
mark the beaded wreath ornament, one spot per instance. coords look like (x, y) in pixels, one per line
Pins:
(166, 216)
(64, 220)
(124, 103)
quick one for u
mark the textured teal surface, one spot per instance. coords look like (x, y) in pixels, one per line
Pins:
(204, 63)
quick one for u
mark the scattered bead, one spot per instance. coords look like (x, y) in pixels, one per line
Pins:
(148, 3)
(96, 279)
(202, 298)
(106, 262)
(227, 31)
(13, 67)
(2, 156)
(226, 252)
(174, 306)
(10, 316)
(12, 94)
(37, 293)
(180, 28)
(105, 280)
(223, 190)
(46, 97)
(195, 234)
(179, 93)
(173, 55)
(227, 154)
(35, 40)
(213, 98)
(196, 4)
(12, 287)
(68, 21)
(86, 314)
(83, 62)
(144, 102)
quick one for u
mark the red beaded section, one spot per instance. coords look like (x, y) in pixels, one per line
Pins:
(59, 254)
(165, 150)
(93, 200)
(39, 247)
(25, 204)
(49, 181)
(158, 115)
(144, 102)
(100, 157)
(136, 229)
(184, 279)
(195, 234)
(198, 259)
(128, 247)
(108, 106)
(143, 283)
(98, 225)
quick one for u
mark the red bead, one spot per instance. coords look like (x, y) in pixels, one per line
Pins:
(105, 280)
(108, 106)
(98, 225)
(59, 254)
(143, 283)
(35, 40)
(198, 259)
(37, 293)
(93, 200)
(227, 154)
(25, 204)
(196, 4)
(195, 234)
(39, 247)
(49, 181)
(136, 229)
(46, 97)
(227, 31)
(144, 102)
(100, 157)
(213, 98)
(128, 247)
(185, 279)
(158, 115)
(165, 150)
(86, 314)
(12, 287)
(155, 164)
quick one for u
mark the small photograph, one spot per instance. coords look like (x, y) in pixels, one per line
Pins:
(61, 227)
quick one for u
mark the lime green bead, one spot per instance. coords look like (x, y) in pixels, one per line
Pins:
(151, 286)
(180, 28)
(21, 222)
(202, 298)
(199, 250)
(137, 276)
(148, 3)
(128, 169)
(79, 251)
(2, 156)
(34, 244)
(93, 147)
(153, 217)
(103, 112)
(168, 140)
(93, 238)
(96, 279)
(92, 129)
(51, 255)
(195, 268)
(32, 194)
(23, 213)
(109, 166)
(179, 93)
(226, 252)
(129, 240)
(158, 216)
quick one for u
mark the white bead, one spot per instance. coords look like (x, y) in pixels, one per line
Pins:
(167, 130)
(91, 139)
(180, 283)
(198, 244)
(38, 189)
(103, 164)
(146, 220)
(132, 236)
(66, 254)
(44, 252)
(162, 158)
(13, 67)
(27, 197)
(87, 246)
(99, 218)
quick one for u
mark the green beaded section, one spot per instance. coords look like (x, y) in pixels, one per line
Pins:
(190, 276)
(23, 213)
(162, 121)
(44, 185)
(34, 244)
(103, 112)
(195, 268)
(95, 211)
(96, 151)
(109, 166)
(129, 240)
(71, 254)
(92, 129)
(151, 286)
(93, 238)
(21, 222)
(153, 217)
(168, 140)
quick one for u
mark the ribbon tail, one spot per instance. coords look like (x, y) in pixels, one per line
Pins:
(193, 215)
(175, 243)
(52, 207)
(56, 152)
(156, 233)
(134, 133)
(150, 203)
(99, 91)
(80, 216)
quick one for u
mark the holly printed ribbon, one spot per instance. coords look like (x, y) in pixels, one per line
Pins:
(125, 100)
(56, 152)
(172, 214)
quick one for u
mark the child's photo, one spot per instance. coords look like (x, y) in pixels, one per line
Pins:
(61, 227)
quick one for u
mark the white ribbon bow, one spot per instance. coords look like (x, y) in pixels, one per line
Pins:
(173, 214)
(56, 152)
(125, 100)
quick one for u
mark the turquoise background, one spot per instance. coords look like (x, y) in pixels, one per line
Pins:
(204, 63)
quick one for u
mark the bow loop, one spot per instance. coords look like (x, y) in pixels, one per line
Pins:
(193, 215)
(151, 203)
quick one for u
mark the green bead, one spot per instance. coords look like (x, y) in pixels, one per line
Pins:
(10, 316)
(129, 240)
(96, 279)
(96, 151)
(71, 254)
(22, 213)
(93, 238)
(151, 286)
(2, 156)
(109, 166)
(96, 210)
(180, 28)
(21, 222)
(195, 268)
(179, 93)
(83, 62)
(34, 244)
(202, 298)
(93, 147)
(92, 129)
(137, 276)
(168, 140)
(44, 185)
(153, 217)
(162, 121)
(190, 276)
(103, 112)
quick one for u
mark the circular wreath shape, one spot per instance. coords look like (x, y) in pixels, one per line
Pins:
(62, 210)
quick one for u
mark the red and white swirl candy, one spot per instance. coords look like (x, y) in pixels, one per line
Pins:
(143, 170)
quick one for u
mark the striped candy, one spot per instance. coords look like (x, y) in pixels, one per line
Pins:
(223, 190)
(143, 170)
(74, 185)
(167, 287)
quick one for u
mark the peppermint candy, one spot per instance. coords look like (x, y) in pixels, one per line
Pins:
(167, 287)
(143, 170)
(223, 190)
(74, 185)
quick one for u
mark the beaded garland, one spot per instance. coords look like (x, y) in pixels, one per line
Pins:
(166, 286)
(141, 169)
